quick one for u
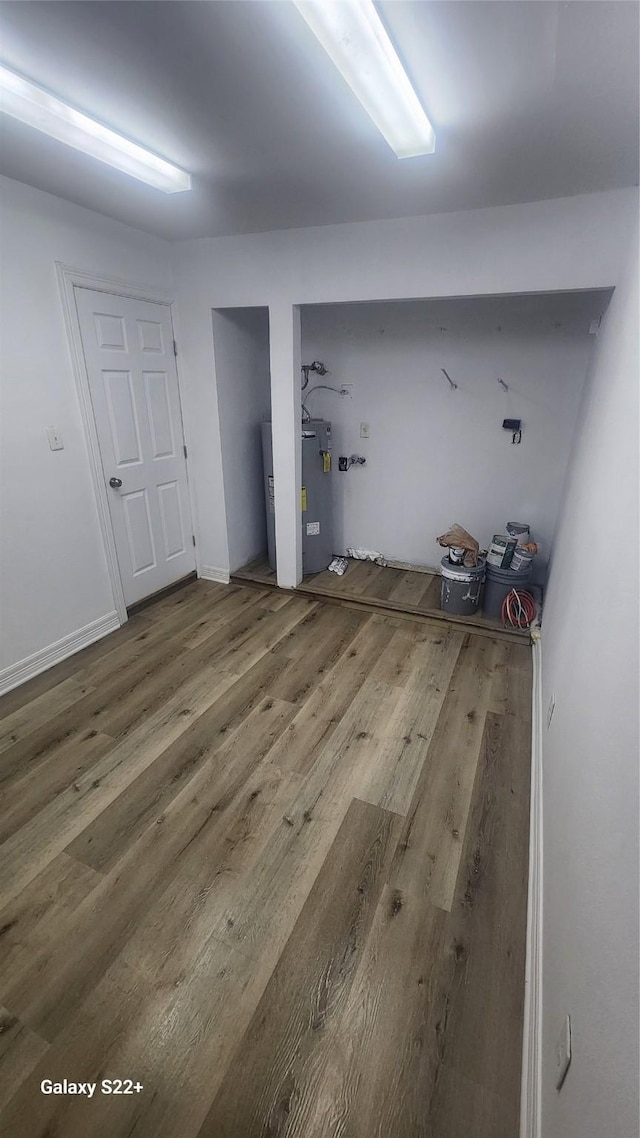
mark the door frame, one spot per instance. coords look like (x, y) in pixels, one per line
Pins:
(69, 277)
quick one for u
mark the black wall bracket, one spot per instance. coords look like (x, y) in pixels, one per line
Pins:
(515, 426)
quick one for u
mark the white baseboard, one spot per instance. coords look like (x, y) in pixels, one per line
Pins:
(31, 666)
(210, 573)
(530, 1102)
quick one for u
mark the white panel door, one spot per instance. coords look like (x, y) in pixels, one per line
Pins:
(128, 349)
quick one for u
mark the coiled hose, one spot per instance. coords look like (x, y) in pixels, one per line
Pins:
(518, 609)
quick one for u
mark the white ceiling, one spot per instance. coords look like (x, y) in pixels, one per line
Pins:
(529, 99)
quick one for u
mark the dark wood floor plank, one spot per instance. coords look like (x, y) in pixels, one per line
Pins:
(488, 921)
(19, 696)
(380, 1059)
(323, 582)
(29, 850)
(194, 825)
(257, 719)
(113, 700)
(243, 654)
(176, 925)
(421, 1041)
(410, 588)
(108, 654)
(26, 796)
(410, 731)
(379, 588)
(182, 860)
(511, 689)
(309, 986)
(410, 647)
(85, 797)
(462, 1109)
(157, 625)
(315, 722)
(431, 846)
(383, 584)
(315, 645)
(47, 990)
(431, 596)
(20, 1051)
(269, 896)
(362, 575)
(94, 1045)
(33, 920)
(201, 643)
(27, 719)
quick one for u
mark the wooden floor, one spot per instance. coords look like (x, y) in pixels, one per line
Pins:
(380, 588)
(268, 858)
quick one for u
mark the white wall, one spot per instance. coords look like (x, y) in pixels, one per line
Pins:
(435, 455)
(241, 351)
(53, 573)
(590, 751)
(569, 243)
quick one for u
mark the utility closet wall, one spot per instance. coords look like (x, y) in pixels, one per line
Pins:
(241, 353)
(436, 454)
(566, 244)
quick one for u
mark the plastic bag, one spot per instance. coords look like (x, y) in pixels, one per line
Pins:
(459, 538)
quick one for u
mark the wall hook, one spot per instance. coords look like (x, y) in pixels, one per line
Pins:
(452, 385)
(503, 384)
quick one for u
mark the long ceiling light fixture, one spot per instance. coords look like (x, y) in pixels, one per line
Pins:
(354, 37)
(34, 106)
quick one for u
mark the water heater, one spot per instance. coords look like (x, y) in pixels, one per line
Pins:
(316, 505)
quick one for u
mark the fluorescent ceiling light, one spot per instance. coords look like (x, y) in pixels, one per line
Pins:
(37, 108)
(352, 34)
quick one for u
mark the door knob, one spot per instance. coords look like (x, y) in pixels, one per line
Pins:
(116, 483)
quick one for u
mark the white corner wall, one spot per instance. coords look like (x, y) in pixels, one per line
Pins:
(591, 749)
(241, 350)
(53, 574)
(569, 243)
(437, 455)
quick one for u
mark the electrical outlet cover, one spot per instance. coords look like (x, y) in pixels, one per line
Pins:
(55, 439)
(563, 1052)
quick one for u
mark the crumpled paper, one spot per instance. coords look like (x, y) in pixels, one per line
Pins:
(458, 537)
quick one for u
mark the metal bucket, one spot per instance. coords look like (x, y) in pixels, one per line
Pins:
(519, 531)
(521, 560)
(501, 551)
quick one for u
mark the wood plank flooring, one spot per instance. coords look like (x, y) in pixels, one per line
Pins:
(379, 588)
(267, 857)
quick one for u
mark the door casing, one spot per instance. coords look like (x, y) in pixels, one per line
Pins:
(69, 278)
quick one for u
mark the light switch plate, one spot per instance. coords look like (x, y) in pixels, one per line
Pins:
(55, 439)
(364, 431)
(563, 1052)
